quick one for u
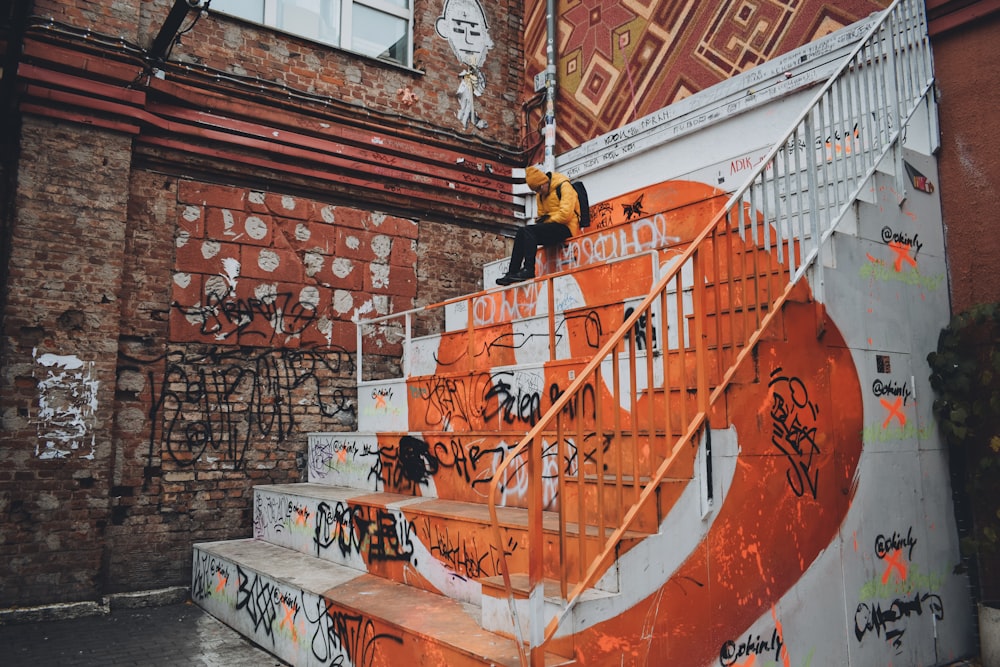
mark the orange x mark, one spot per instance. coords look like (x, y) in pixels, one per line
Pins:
(380, 400)
(902, 254)
(221, 586)
(288, 618)
(895, 410)
(894, 561)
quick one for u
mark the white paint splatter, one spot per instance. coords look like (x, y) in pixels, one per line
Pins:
(288, 203)
(67, 405)
(302, 232)
(380, 275)
(266, 293)
(256, 197)
(232, 267)
(216, 288)
(268, 260)
(309, 297)
(381, 246)
(228, 222)
(256, 227)
(191, 213)
(210, 249)
(342, 267)
(343, 301)
(313, 263)
(353, 242)
(327, 212)
(182, 280)
(378, 218)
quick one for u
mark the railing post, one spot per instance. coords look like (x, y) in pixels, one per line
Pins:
(536, 555)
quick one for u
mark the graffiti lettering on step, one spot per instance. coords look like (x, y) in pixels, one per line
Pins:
(752, 646)
(329, 454)
(222, 400)
(463, 555)
(357, 529)
(891, 622)
(643, 234)
(257, 597)
(406, 466)
(793, 430)
(639, 330)
(279, 514)
(517, 398)
(210, 577)
(339, 638)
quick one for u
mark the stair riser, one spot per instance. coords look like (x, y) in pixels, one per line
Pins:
(306, 629)
(442, 553)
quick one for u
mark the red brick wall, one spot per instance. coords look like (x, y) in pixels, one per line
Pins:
(195, 329)
(969, 84)
(59, 351)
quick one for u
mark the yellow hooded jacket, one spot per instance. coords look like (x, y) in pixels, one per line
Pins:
(561, 205)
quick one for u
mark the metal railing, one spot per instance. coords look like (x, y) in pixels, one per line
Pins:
(740, 270)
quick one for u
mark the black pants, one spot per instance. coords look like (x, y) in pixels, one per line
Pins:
(527, 240)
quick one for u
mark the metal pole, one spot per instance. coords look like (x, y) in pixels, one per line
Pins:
(550, 86)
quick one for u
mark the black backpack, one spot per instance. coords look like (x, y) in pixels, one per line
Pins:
(581, 194)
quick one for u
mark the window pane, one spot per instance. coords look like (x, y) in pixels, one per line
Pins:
(315, 19)
(380, 35)
(251, 10)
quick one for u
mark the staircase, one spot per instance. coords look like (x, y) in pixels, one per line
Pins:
(543, 444)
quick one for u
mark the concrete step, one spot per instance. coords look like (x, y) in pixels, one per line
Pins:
(310, 612)
(442, 546)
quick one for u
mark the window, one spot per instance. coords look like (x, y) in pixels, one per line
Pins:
(375, 28)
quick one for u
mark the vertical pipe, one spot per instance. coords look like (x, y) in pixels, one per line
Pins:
(550, 85)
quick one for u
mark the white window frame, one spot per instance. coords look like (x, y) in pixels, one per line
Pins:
(346, 23)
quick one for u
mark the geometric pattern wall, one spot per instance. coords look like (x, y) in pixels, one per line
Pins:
(618, 60)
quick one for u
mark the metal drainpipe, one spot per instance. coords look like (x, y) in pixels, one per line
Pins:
(550, 85)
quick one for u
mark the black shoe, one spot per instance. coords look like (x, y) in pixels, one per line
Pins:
(508, 279)
(523, 274)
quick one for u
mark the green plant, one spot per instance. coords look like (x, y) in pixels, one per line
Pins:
(965, 376)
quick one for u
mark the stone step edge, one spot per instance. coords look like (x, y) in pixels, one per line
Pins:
(361, 593)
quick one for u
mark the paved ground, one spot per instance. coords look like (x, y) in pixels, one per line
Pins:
(175, 634)
(179, 634)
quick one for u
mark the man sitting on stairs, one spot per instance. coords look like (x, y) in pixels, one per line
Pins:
(558, 219)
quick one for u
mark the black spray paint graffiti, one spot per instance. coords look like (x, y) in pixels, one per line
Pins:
(793, 430)
(885, 545)
(357, 529)
(210, 577)
(336, 638)
(515, 398)
(326, 453)
(590, 322)
(639, 330)
(464, 556)
(891, 621)
(474, 463)
(340, 639)
(278, 514)
(751, 646)
(406, 467)
(222, 400)
(224, 315)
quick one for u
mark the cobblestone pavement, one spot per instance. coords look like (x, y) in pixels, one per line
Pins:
(174, 634)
